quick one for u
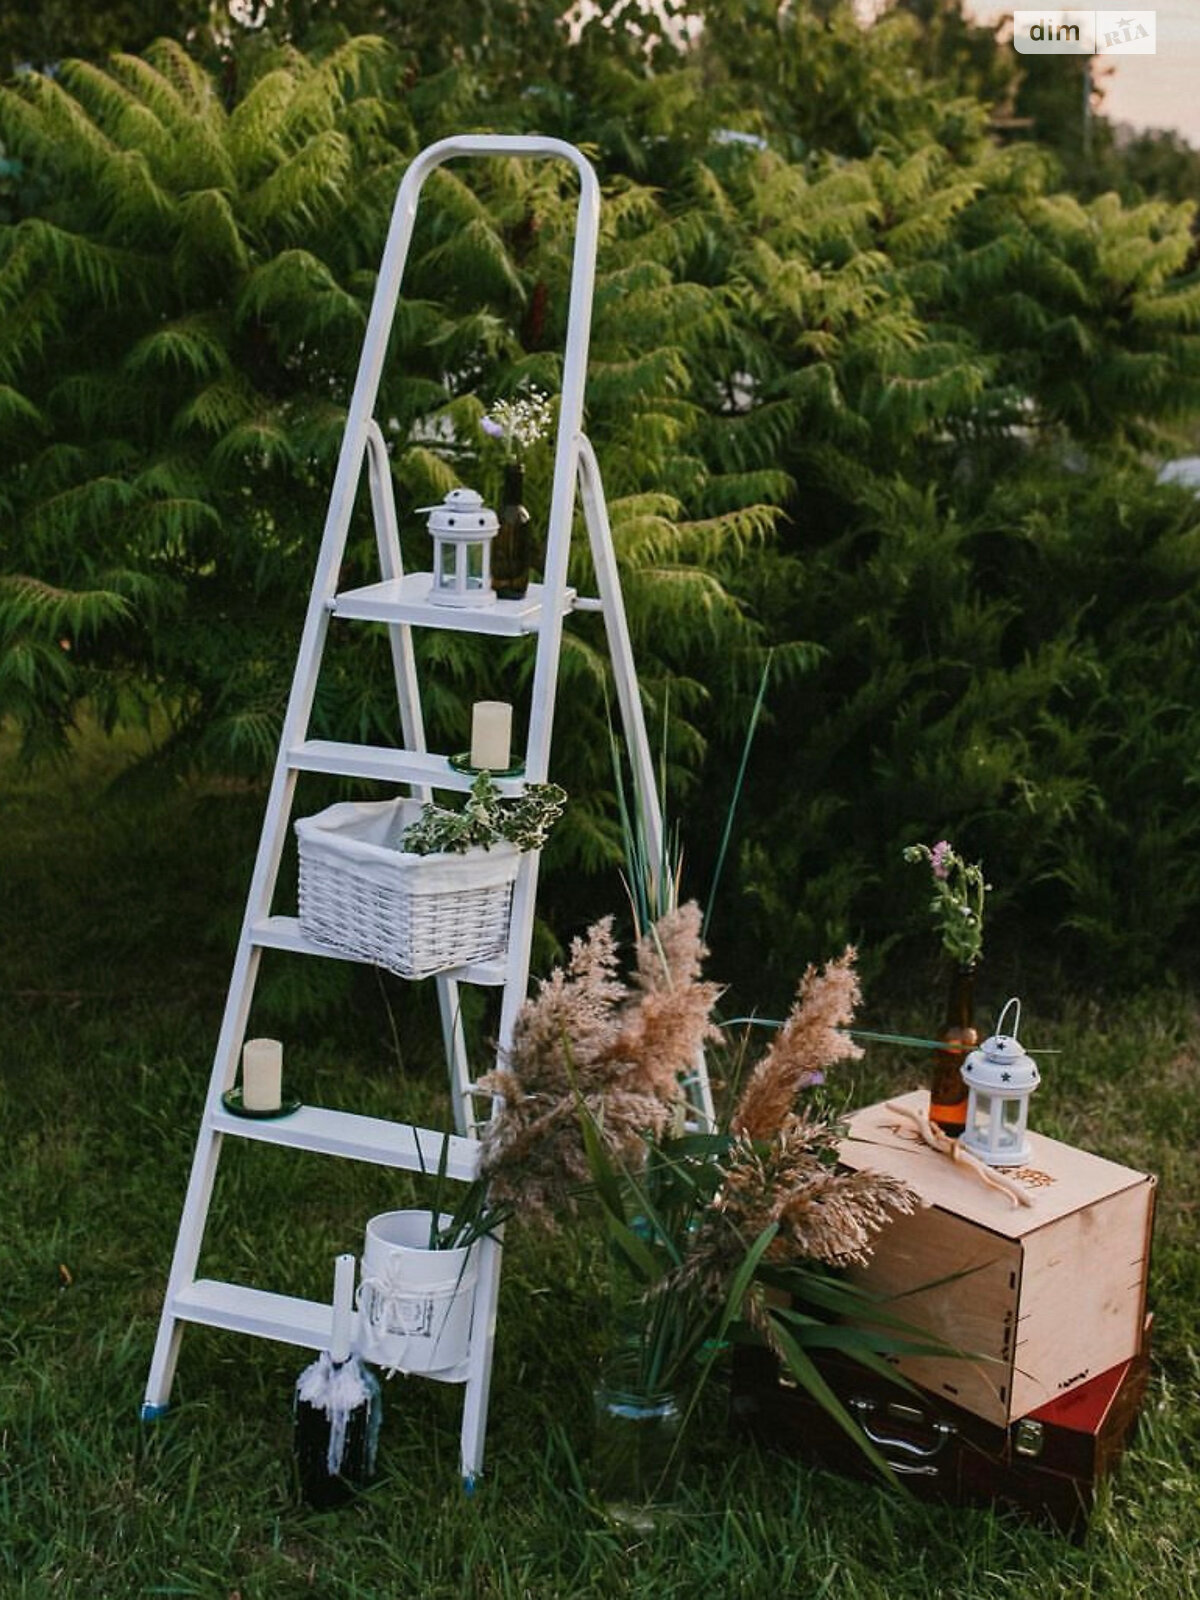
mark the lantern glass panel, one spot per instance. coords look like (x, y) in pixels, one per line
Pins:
(1010, 1117)
(983, 1114)
(474, 566)
(446, 573)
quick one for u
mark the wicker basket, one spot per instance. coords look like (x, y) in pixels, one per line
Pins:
(360, 893)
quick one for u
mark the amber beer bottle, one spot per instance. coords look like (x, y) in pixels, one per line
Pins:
(947, 1091)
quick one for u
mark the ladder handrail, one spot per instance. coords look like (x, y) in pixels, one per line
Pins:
(370, 370)
(620, 651)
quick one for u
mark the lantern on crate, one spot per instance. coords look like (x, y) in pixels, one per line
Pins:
(1000, 1077)
(462, 529)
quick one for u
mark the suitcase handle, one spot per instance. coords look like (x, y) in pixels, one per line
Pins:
(918, 1455)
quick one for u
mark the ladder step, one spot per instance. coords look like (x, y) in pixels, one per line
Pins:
(345, 1133)
(268, 1316)
(283, 933)
(388, 765)
(406, 600)
(283, 1317)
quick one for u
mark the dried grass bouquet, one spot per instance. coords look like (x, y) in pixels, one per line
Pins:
(589, 1045)
(718, 1233)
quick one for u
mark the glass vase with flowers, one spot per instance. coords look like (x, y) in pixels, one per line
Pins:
(516, 425)
(959, 897)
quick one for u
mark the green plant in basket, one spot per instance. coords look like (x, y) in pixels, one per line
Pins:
(486, 819)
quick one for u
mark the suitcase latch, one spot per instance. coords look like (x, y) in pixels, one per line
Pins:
(1028, 1437)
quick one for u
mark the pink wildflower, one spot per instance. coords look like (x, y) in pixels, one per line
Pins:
(938, 861)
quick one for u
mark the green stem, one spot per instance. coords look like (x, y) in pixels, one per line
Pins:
(737, 794)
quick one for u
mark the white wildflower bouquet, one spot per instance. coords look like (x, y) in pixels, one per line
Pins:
(519, 423)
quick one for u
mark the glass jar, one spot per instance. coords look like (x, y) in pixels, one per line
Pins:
(635, 1455)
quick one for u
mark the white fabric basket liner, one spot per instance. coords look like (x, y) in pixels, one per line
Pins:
(368, 833)
(361, 894)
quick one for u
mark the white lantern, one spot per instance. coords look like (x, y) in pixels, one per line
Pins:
(462, 528)
(1000, 1078)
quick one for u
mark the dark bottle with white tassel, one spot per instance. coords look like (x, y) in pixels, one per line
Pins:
(337, 1410)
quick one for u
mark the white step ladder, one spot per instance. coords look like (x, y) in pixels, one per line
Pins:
(399, 600)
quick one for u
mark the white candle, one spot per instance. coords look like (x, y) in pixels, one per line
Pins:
(491, 734)
(262, 1075)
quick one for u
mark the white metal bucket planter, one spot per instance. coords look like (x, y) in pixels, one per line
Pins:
(413, 914)
(415, 1304)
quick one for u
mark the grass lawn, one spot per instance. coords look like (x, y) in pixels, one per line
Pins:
(121, 915)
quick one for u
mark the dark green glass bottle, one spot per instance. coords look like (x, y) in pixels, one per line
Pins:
(512, 548)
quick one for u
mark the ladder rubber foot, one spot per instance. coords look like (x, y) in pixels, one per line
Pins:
(152, 1413)
(469, 1482)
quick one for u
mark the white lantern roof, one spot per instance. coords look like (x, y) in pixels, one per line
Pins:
(462, 515)
(1000, 1065)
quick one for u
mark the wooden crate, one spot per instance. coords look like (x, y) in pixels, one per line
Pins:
(1048, 1296)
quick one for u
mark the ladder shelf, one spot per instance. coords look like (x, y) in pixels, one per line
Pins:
(387, 765)
(401, 602)
(238, 1308)
(345, 1133)
(407, 600)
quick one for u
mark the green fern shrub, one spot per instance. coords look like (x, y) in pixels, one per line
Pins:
(865, 389)
(955, 371)
(179, 315)
(1020, 682)
(184, 317)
